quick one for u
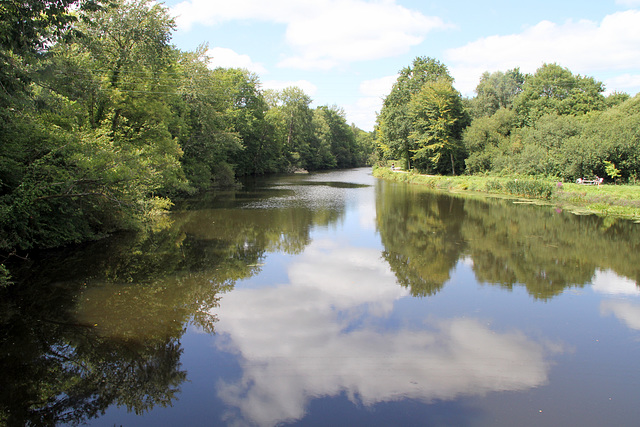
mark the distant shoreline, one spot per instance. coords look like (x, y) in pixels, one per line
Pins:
(620, 201)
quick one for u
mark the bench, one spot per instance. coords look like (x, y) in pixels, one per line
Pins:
(585, 181)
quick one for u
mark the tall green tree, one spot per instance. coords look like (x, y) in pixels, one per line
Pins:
(438, 119)
(322, 155)
(247, 110)
(608, 136)
(394, 124)
(293, 118)
(339, 136)
(207, 126)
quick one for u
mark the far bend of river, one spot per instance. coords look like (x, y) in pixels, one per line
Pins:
(333, 299)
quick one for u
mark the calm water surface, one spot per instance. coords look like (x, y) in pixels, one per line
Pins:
(333, 299)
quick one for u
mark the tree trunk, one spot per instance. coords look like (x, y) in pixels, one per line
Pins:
(453, 165)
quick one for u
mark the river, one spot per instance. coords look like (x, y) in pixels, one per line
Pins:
(332, 299)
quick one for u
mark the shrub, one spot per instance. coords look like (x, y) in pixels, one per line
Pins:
(493, 185)
(529, 188)
(224, 176)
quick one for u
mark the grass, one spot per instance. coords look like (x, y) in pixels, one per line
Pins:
(606, 200)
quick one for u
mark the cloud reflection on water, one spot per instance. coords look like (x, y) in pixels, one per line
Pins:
(608, 282)
(322, 335)
(627, 312)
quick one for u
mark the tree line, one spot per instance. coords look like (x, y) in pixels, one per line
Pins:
(105, 122)
(551, 123)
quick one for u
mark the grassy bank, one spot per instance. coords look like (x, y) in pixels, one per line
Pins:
(607, 199)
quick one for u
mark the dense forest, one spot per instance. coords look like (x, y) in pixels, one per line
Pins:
(105, 122)
(550, 123)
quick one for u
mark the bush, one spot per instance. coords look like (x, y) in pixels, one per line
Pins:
(5, 277)
(494, 186)
(224, 176)
(529, 188)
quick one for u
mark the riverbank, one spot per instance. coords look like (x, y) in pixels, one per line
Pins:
(606, 200)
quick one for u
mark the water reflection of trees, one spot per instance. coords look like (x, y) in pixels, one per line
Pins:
(546, 250)
(56, 370)
(89, 328)
(421, 233)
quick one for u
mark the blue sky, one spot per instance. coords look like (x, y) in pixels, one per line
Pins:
(348, 52)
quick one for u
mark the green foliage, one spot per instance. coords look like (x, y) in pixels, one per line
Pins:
(438, 119)
(611, 136)
(105, 155)
(529, 188)
(554, 89)
(224, 175)
(5, 276)
(559, 125)
(616, 98)
(104, 121)
(486, 138)
(365, 151)
(323, 158)
(296, 124)
(30, 25)
(394, 121)
(611, 170)
(337, 145)
(496, 91)
(494, 186)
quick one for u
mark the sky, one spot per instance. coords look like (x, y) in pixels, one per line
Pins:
(347, 53)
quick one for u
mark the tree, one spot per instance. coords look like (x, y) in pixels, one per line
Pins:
(293, 117)
(257, 154)
(339, 136)
(610, 135)
(496, 90)
(86, 163)
(322, 157)
(394, 124)
(554, 89)
(27, 28)
(486, 140)
(365, 146)
(438, 119)
(210, 108)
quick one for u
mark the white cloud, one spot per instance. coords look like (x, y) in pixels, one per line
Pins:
(625, 311)
(319, 336)
(354, 30)
(629, 83)
(628, 3)
(362, 112)
(378, 88)
(323, 33)
(227, 58)
(306, 86)
(211, 12)
(585, 47)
